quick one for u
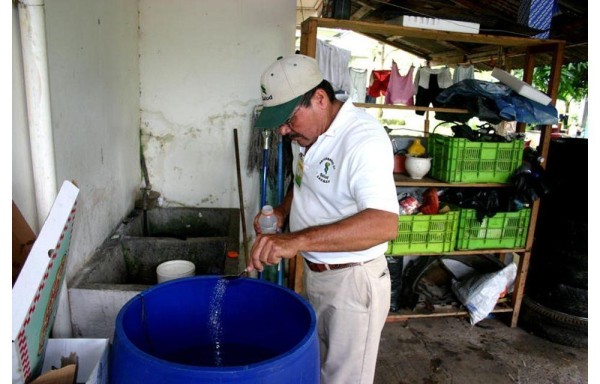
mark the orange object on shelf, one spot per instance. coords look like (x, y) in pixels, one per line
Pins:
(399, 164)
(233, 254)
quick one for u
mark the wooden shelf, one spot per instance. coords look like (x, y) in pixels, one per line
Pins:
(403, 180)
(440, 311)
(388, 30)
(531, 48)
(409, 107)
(467, 252)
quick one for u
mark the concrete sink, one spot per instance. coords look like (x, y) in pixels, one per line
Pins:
(126, 262)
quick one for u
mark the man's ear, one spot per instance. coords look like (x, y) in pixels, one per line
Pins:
(320, 98)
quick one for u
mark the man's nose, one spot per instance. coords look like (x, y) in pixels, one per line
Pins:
(284, 130)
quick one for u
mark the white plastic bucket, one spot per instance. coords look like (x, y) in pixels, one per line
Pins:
(174, 269)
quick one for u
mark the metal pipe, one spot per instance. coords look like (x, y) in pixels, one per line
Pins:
(266, 134)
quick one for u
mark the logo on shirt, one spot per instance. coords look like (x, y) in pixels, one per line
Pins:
(327, 166)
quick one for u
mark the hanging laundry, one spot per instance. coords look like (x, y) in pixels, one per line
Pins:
(462, 72)
(378, 82)
(333, 63)
(429, 83)
(370, 99)
(358, 79)
(400, 88)
(538, 14)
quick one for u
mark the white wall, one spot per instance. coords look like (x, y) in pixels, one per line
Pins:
(94, 90)
(184, 73)
(200, 67)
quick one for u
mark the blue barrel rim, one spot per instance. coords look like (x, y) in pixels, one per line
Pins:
(265, 365)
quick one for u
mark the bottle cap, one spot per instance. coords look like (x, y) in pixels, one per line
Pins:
(267, 210)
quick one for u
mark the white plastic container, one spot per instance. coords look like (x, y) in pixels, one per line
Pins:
(174, 269)
(267, 220)
(521, 87)
(417, 167)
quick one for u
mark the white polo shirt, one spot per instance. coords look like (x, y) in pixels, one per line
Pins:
(348, 169)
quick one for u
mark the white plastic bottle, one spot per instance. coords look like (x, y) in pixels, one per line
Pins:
(267, 220)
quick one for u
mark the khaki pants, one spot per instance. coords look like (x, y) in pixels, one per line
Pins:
(351, 305)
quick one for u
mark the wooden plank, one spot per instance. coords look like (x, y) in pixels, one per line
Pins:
(445, 312)
(402, 180)
(308, 37)
(397, 30)
(519, 287)
(465, 252)
(409, 107)
(543, 150)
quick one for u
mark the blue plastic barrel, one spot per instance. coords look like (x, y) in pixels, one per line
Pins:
(206, 329)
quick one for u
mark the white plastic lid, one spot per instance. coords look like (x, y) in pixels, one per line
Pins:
(267, 210)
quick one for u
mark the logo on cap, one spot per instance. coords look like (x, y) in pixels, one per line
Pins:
(265, 97)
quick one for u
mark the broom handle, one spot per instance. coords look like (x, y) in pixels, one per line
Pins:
(241, 194)
(280, 197)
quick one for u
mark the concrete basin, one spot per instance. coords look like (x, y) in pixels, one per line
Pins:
(126, 262)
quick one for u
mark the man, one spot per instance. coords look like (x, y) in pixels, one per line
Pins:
(342, 210)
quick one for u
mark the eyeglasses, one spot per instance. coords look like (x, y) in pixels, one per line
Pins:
(288, 122)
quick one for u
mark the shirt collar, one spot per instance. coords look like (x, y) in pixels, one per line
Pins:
(340, 120)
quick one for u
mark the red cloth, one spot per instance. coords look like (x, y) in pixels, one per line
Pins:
(378, 83)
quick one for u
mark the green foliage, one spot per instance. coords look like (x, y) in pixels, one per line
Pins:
(573, 80)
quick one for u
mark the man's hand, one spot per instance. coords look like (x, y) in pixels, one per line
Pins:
(270, 249)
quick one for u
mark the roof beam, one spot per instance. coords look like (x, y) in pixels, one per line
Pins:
(396, 30)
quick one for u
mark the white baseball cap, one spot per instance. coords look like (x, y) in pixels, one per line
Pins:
(282, 85)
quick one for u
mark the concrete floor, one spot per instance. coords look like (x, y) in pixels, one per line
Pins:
(450, 350)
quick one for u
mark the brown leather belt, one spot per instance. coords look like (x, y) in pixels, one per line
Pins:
(327, 267)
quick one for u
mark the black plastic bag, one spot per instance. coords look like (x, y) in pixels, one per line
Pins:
(395, 264)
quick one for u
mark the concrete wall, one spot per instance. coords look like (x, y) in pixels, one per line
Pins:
(94, 96)
(200, 66)
(176, 76)
(94, 84)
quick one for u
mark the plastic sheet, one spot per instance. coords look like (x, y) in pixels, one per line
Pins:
(480, 293)
(492, 102)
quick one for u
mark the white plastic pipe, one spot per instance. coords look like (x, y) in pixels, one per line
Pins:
(37, 93)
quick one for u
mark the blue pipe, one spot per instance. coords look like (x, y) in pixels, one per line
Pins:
(280, 197)
(263, 195)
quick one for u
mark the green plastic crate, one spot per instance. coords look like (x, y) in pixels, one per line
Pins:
(458, 160)
(425, 234)
(503, 230)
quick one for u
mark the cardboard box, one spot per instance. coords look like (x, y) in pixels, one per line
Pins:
(92, 358)
(23, 238)
(37, 289)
